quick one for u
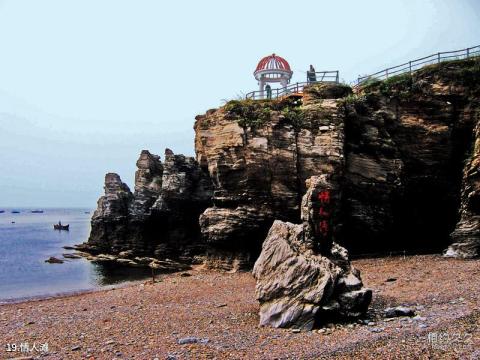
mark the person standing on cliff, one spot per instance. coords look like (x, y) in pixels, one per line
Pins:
(311, 75)
(268, 88)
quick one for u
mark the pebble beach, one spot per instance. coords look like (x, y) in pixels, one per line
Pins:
(201, 314)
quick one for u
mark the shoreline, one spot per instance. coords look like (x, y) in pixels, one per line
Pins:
(147, 279)
(67, 294)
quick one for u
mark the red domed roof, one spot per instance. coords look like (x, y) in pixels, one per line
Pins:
(273, 62)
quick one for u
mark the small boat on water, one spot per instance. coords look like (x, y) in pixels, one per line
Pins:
(15, 212)
(2, 211)
(37, 211)
(59, 226)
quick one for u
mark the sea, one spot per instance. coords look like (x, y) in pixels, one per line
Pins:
(27, 239)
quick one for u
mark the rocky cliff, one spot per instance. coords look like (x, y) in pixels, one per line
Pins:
(466, 236)
(259, 155)
(401, 153)
(408, 140)
(160, 218)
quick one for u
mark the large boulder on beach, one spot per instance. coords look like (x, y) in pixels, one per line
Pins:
(303, 276)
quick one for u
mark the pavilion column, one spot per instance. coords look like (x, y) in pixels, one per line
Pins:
(262, 88)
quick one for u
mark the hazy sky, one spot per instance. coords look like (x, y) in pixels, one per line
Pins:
(85, 85)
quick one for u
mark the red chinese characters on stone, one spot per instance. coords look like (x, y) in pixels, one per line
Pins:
(323, 227)
(324, 199)
(324, 196)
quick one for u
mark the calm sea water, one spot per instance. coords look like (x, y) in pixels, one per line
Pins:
(28, 239)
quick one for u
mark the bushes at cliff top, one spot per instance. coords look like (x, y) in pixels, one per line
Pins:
(465, 72)
(249, 112)
(399, 85)
(255, 113)
(328, 90)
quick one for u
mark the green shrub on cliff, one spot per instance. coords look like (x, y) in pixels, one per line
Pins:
(255, 113)
(327, 90)
(400, 85)
(464, 72)
(295, 116)
(351, 99)
(248, 112)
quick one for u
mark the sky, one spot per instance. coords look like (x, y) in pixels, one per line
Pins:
(85, 85)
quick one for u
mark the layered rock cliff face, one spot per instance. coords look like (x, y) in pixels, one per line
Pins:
(161, 217)
(407, 141)
(259, 154)
(401, 153)
(466, 236)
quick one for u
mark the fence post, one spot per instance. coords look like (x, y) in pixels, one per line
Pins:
(410, 66)
(386, 73)
(438, 57)
(468, 52)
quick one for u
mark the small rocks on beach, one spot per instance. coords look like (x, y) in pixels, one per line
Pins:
(192, 340)
(398, 311)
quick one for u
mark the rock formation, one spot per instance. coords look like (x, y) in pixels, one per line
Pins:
(303, 276)
(160, 218)
(259, 155)
(407, 140)
(110, 219)
(400, 151)
(186, 192)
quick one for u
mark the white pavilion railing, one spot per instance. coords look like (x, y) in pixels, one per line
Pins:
(297, 88)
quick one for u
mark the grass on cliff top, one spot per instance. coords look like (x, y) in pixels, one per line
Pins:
(465, 72)
(255, 113)
(328, 90)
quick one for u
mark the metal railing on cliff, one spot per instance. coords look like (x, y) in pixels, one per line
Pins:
(414, 65)
(297, 88)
